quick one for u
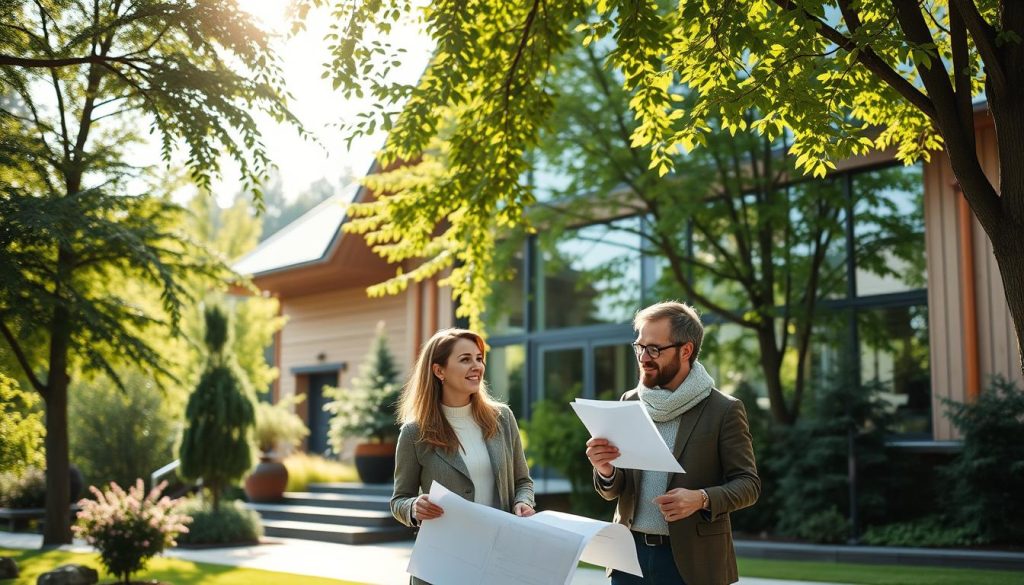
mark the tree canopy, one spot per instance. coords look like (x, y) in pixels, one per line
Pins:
(731, 231)
(81, 84)
(838, 77)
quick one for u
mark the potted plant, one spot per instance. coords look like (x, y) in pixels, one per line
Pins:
(278, 431)
(366, 410)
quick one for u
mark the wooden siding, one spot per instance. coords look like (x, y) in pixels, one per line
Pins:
(339, 325)
(997, 340)
(997, 344)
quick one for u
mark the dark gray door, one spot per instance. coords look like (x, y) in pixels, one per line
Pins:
(318, 419)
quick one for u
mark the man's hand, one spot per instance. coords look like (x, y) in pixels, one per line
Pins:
(601, 453)
(424, 509)
(523, 510)
(679, 503)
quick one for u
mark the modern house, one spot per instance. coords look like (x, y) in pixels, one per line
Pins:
(944, 320)
(320, 275)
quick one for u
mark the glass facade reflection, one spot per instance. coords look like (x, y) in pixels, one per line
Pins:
(894, 358)
(562, 375)
(566, 318)
(506, 306)
(590, 275)
(506, 368)
(889, 230)
(615, 370)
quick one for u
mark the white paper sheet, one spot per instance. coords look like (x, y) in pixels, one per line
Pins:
(606, 544)
(472, 544)
(627, 425)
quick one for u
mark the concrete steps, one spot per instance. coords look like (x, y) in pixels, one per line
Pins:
(346, 513)
(335, 533)
(332, 500)
(366, 489)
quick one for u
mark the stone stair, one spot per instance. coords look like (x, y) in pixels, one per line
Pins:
(345, 513)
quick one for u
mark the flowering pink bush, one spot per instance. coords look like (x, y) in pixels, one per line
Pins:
(128, 528)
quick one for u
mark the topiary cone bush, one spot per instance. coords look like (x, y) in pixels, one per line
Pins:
(219, 417)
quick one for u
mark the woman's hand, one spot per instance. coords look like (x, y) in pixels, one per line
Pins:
(523, 510)
(424, 509)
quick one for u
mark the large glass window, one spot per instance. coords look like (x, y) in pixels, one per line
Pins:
(730, 354)
(562, 375)
(615, 371)
(860, 235)
(506, 305)
(815, 242)
(506, 370)
(889, 230)
(590, 275)
(894, 359)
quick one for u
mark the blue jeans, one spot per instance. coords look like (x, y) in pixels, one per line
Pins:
(657, 564)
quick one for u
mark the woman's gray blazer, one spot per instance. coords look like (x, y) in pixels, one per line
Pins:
(418, 464)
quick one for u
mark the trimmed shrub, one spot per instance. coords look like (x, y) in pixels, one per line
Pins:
(27, 490)
(929, 531)
(829, 526)
(129, 528)
(220, 417)
(366, 409)
(813, 465)
(231, 523)
(987, 477)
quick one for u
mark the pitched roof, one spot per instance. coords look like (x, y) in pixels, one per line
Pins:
(307, 240)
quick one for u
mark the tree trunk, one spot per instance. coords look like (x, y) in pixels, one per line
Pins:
(215, 490)
(58, 488)
(1009, 253)
(1004, 222)
(771, 363)
(58, 473)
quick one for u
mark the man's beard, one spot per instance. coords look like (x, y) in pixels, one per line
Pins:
(659, 377)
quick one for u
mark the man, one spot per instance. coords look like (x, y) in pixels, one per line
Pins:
(680, 521)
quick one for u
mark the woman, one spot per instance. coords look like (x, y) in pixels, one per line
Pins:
(457, 435)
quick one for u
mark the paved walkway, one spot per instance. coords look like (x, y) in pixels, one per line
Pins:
(382, 564)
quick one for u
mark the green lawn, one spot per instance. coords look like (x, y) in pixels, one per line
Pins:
(34, 563)
(875, 574)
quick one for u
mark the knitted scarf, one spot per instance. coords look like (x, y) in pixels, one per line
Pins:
(664, 405)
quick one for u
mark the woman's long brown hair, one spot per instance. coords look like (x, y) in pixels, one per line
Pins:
(421, 397)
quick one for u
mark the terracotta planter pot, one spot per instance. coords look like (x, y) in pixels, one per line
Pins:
(375, 462)
(267, 482)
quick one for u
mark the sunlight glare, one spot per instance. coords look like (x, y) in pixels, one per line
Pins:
(271, 15)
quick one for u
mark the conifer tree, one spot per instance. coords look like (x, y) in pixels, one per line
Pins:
(367, 408)
(220, 417)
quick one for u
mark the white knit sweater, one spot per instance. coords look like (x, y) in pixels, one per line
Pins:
(474, 452)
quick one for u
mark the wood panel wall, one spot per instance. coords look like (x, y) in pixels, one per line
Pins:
(340, 325)
(997, 344)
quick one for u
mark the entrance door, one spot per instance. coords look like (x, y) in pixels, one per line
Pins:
(318, 419)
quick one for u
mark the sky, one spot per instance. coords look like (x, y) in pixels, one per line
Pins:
(320, 108)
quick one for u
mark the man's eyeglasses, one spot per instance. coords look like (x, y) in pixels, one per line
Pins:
(652, 350)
